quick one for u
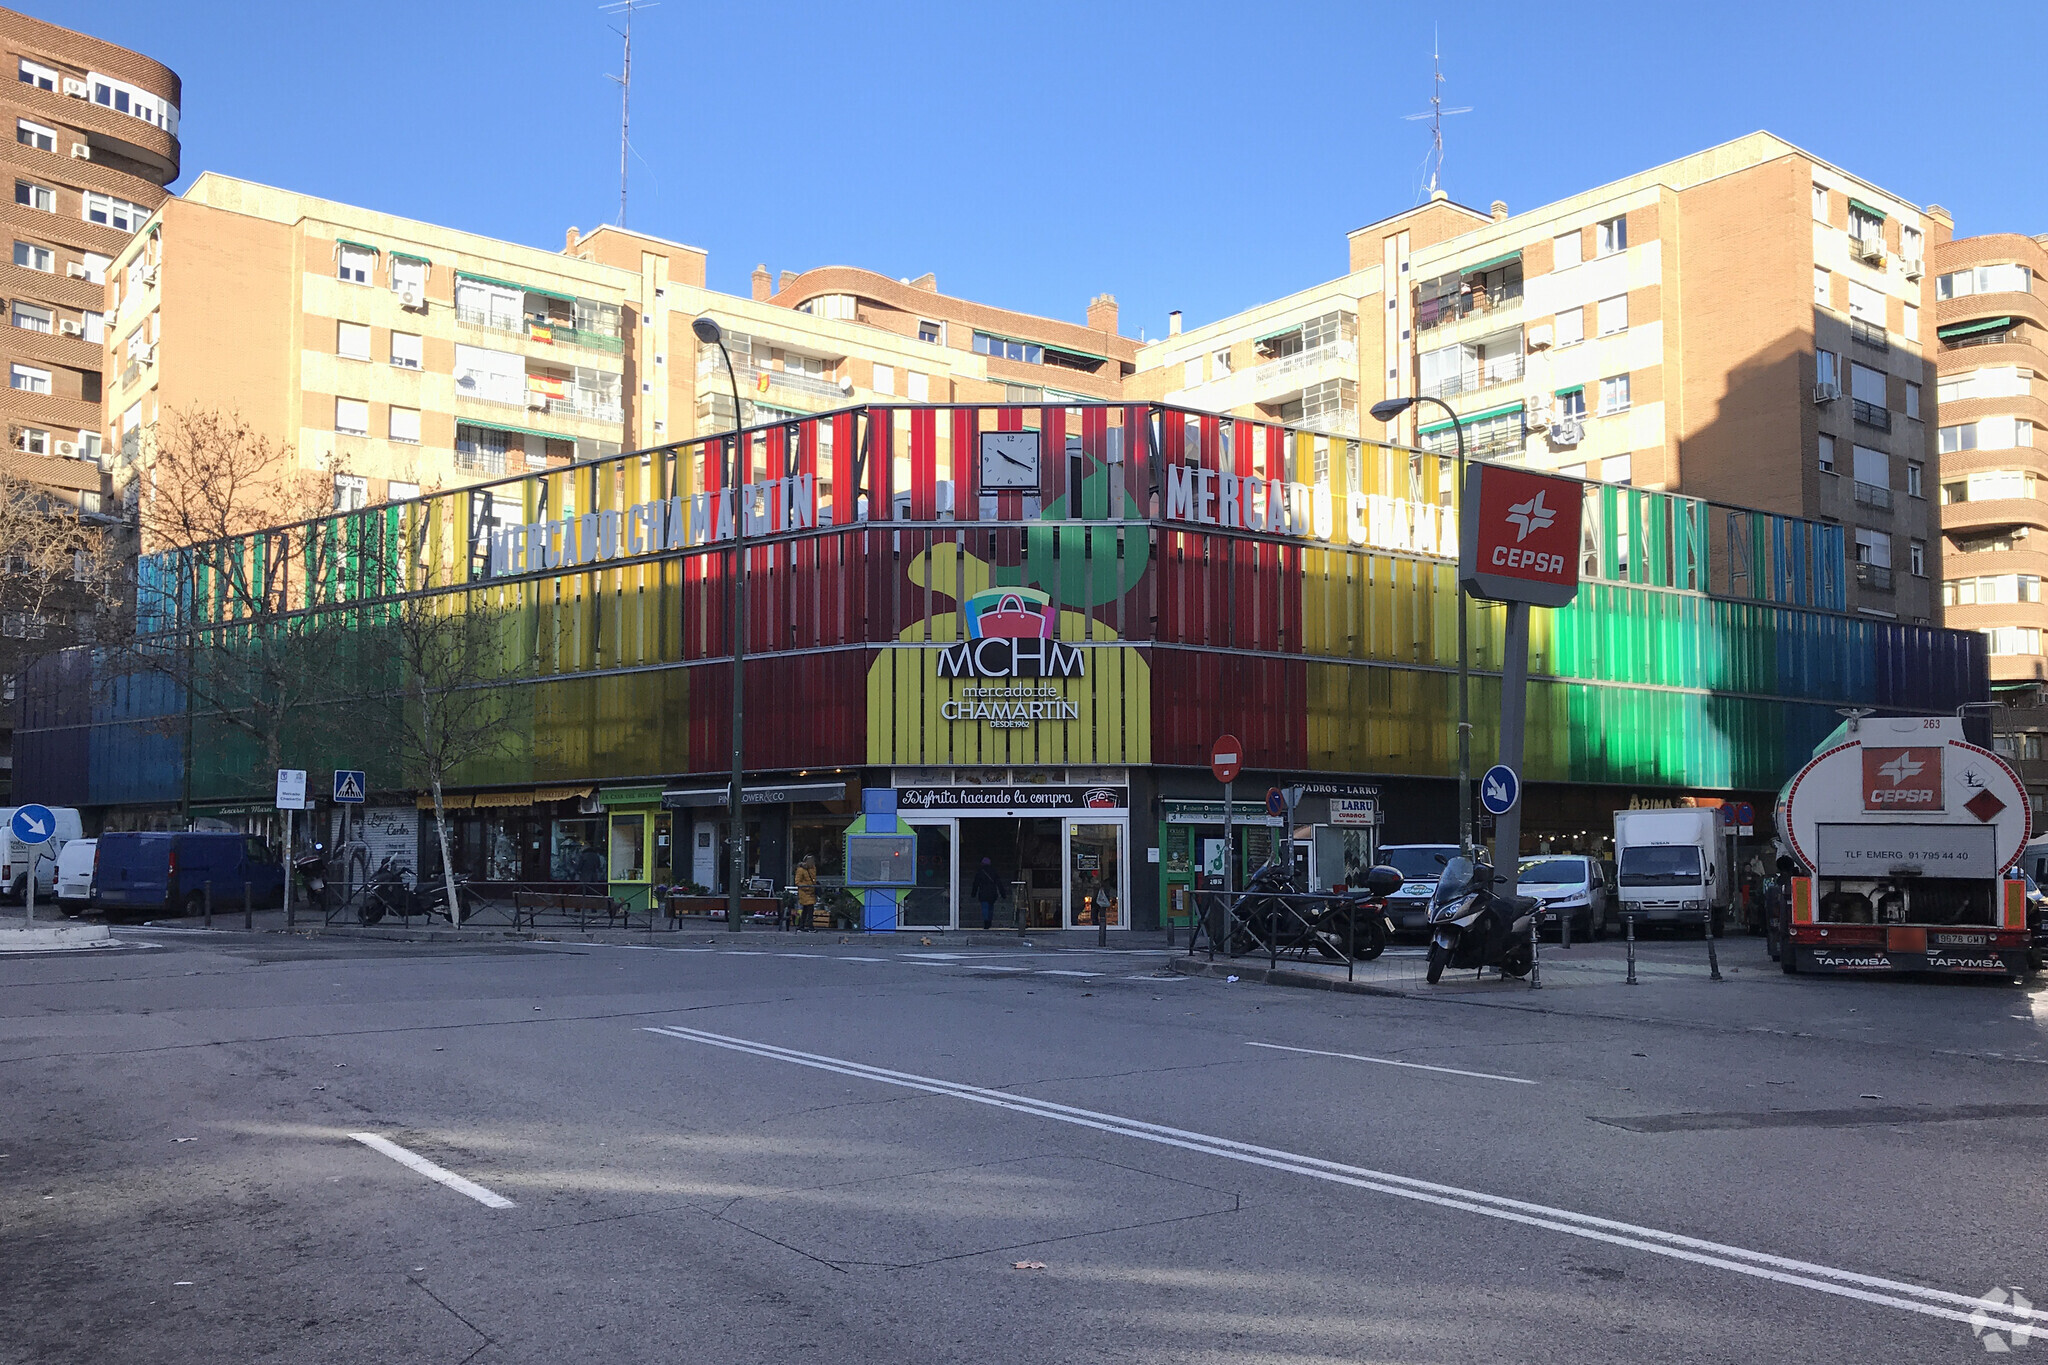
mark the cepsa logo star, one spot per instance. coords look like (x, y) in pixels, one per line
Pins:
(1531, 516)
(1902, 767)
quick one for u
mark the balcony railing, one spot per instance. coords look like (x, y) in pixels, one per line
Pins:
(1452, 308)
(1874, 495)
(1503, 438)
(1341, 423)
(1505, 370)
(1981, 339)
(1287, 366)
(1876, 577)
(583, 403)
(1871, 414)
(539, 329)
(1869, 334)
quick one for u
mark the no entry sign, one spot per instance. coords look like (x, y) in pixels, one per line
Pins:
(1226, 758)
(1519, 536)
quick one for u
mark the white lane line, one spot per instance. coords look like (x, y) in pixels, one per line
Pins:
(863, 959)
(428, 1169)
(1849, 1284)
(1050, 971)
(1389, 1061)
(989, 967)
(823, 955)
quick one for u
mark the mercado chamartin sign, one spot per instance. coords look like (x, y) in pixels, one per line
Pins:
(1010, 636)
(570, 541)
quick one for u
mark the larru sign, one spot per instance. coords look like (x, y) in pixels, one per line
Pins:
(1213, 497)
(1521, 541)
(676, 523)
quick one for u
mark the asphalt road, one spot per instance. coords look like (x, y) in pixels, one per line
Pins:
(794, 1149)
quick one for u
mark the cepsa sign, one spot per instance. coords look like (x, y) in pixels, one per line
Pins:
(1521, 544)
(1902, 779)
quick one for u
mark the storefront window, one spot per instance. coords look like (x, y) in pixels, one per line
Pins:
(1095, 887)
(929, 905)
(574, 854)
(629, 848)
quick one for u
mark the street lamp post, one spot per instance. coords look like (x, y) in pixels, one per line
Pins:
(1386, 411)
(709, 333)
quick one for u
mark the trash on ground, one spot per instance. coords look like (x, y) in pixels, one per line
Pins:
(1027, 1265)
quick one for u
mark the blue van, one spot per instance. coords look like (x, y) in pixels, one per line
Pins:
(169, 873)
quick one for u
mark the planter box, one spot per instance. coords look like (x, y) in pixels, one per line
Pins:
(714, 906)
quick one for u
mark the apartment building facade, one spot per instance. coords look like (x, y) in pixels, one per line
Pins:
(1749, 325)
(95, 143)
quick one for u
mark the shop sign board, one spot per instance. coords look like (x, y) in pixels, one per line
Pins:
(1214, 497)
(1003, 800)
(1354, 810)
(1210, 812)
(291, 789)
(754, 796)
(1521, 542)
(677, 523)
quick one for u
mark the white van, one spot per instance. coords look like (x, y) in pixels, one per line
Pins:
(74, 875)
(15, 855)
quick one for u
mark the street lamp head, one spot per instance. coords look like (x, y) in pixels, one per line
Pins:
(1387, 409)
(708, 331)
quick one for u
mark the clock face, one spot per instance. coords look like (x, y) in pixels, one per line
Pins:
(1009, 460)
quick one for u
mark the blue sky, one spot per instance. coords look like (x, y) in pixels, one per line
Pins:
(1202, 156)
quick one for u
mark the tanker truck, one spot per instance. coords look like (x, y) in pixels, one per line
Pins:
(1899, 834)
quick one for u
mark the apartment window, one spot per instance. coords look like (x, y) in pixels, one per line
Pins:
(1219, 363)
(352, 341)
(1961, 436)
(931, 332)
(1006, 348)
(33, 440)
(1873, 468)
(2023, 431)
(1567, 250)
(398, 490)
(1616, 469)
(32, 317)
(1820, 203)
(1874, 548)
(29, 256)
(352, 416)
(1614, 395)
(482, 448)
(355, 264)
(1909, 242)
(1867, 385)
(405, 350)
(35, 135)
(1865, 227)
(95, 266)
(1866, 303)
(89, 445)
(39, 197)
(1611, 236)
(1826, 455)
(1984, 279)
(841, 307)
(1571, 404)
(1916, 474)
(1827, 369)
(1991, 381)
(918, 387)
(1614, 315)
(494, 376)
(28, 379)
(1823, 287)
(351, 492)
(1191, 373)
(1916, 558)
(2014, 640)
(1990, 485)
(108, 211)
(1571, 327)
(885, 380)
(136, 103)
(407, 273)
(405, 425)
(38, 75)
(1912, 400)
(1909, 321)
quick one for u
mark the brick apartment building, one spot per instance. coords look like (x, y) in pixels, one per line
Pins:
(1749, 324)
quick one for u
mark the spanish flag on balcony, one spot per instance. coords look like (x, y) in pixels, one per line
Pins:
(761, 382)
(538, 332)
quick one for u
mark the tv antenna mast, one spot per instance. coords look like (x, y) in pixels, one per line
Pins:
(1436, 116)
(625, 83)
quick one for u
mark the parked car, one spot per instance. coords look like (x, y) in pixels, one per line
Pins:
(1568, 884)
(1419, 865)
(15, 855)
(170, 872)
(74, 875)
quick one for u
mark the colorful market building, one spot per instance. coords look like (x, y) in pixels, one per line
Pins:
(1031, 622)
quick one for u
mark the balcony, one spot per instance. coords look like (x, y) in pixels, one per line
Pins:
(1342, 423)
(1871, 414)
(1875, 577)
(1869, 334)
(792, 381)
(1270, 374)
(1874, 495)
(588, 403)
(1505, 370)
(1432, 313)
(539, 329)
(1998, 338)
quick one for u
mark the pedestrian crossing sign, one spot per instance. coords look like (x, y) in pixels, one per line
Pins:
(348, 786)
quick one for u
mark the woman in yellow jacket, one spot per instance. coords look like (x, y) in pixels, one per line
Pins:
(807, 894)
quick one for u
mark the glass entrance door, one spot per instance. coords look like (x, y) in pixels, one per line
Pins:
(1095, 875)
(929, 904)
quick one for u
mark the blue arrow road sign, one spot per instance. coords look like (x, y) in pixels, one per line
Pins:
(1499, 789)
(348, 786)
(34, 824)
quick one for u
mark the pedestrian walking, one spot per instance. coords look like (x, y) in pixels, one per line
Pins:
(988, 889)
(807, 893)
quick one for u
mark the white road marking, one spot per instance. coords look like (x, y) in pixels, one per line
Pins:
(1848, 1284)
(823, 955)
(990, 967)
(863, 959)
(1053, 971)
(1389, 1061)
(428, 1169)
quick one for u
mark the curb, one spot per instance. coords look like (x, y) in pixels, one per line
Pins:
(1281, 976)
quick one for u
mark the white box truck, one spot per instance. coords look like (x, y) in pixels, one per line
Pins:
(1671, 866)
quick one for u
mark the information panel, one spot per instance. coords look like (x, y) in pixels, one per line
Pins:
(1928, 850)
(881, 860)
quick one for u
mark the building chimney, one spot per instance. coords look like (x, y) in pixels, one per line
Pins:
(569, 244)
(929, 282)
(1173, 323)
(784, 280)
(760, 282)
(1102, 313)
(1500, 210)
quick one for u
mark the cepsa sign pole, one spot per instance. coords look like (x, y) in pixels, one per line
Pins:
(1518, 543)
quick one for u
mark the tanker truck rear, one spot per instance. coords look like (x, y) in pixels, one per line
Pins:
(1902, 832)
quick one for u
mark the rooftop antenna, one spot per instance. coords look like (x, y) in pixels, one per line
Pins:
(1436, 116)
(625, 83)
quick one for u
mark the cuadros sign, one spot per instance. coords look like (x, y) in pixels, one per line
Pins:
(1521, 541)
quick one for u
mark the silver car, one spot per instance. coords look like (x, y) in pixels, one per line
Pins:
(1419, 865)
(1568, 884)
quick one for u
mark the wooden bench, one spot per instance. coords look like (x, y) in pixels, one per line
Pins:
(529, 906)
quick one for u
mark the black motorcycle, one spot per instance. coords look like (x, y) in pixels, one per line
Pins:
(1472, 926)
(1350, 924)
(388, 892)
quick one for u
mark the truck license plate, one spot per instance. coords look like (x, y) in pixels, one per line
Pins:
(1958, 940)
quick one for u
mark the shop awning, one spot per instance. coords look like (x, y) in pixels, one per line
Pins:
(561, 794)
(1074, 351)
(1576, 388)
(511, 430)
(1490, 262)
(449, 801)
(699, 797)
(1279, 332)
(1468, 418)
(1873, 212)
(514, 284)
(359, 246)
(489, 800)
(1972, 328)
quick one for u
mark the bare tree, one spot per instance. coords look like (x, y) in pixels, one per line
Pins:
(60, 571)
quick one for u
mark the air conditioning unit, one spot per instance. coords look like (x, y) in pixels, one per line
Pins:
(1539, 338)
(1867, 249)
(537, 401)
(1912, 266)
(146, 353)
(68, 449)
(69, 328)
(1569, 432)
(80, 151)
(75, 271)
(75, 88)
(412, 299)
(1826, 393)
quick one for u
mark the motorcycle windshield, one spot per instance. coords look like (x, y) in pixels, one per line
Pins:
(1455, 883)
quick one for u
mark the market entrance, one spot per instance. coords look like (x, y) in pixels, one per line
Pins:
(1019, 851)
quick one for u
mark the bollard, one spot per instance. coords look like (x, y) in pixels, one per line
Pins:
(1713, 958)
(1535, 966)
(1630, 922)
(209, 905)
(248, 909)
(1564, 929)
